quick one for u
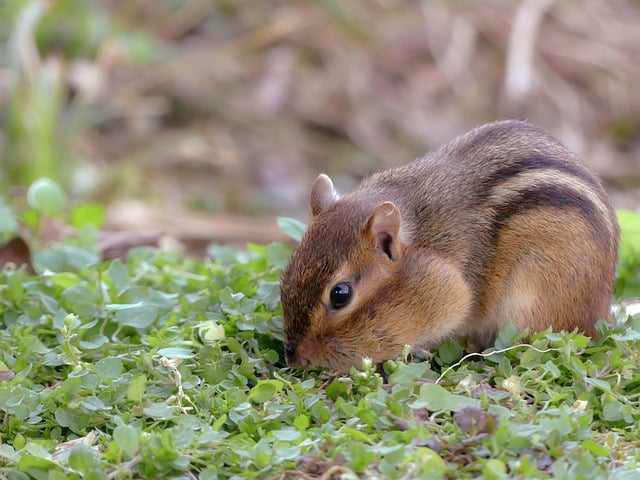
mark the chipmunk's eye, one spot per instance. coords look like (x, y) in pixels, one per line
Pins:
(340, 294)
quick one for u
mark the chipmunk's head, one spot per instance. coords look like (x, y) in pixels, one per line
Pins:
(338, 290)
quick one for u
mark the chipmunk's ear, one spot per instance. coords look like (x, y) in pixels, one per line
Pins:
(384, 228)
(323, 195)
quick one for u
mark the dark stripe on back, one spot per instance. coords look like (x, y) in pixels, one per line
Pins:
(529, 164)
(546, 196)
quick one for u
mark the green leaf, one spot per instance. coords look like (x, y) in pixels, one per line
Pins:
(301, 422)
(628, 281)
(137, 315)
(449, 351)
(8, 223)
(211, 332)
(292, 227)
(110, 367)
(627, 335)
(495, 469)
(434, 397)
(19, 441)
(176, 352)
(126, 438)
(93, 404)
(95, 475)
(46, 196)
(236, 303)
(265, 390)
(431, 465)
(225, 254)
(159, 410)
(612, 411)
(360, 456)
(56, 475)
(507, 335)
(630, 235)
(278, 254)
(93, 342)
(63, 258)
(16, 288)
(81, 300)
(30, 218)
(65, 280)
(8, 452)
(49, 303)
(87, 214)
(356, 434)
(64, 417)
(118, 275)
(408, 373)
(37, 467)
(269, 294)
(81, 458)
(286, 434)
(595, 448)
(135, 392)
(601, 384)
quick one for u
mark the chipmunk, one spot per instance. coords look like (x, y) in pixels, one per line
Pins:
(501, 224)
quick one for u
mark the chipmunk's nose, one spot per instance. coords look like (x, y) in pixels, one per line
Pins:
(293, 357)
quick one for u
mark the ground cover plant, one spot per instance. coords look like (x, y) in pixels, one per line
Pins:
(165, 366)
(159, 365)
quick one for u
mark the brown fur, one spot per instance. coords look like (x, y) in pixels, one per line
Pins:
(501, 224)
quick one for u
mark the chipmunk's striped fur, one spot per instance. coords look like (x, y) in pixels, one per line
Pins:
(501, 224)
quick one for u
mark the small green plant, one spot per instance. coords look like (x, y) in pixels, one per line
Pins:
(60, 236)
(628, 284)
(31, 121)
(39, 41)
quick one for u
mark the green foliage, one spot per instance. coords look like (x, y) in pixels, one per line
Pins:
(171, 367)
(31, 121)
(162, 356)
(46, 196)
(8, 222)
(293, 228)
(45, 208)
(628, 284)
(39, 41)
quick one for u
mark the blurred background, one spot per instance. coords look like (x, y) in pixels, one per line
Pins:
(206, 119)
